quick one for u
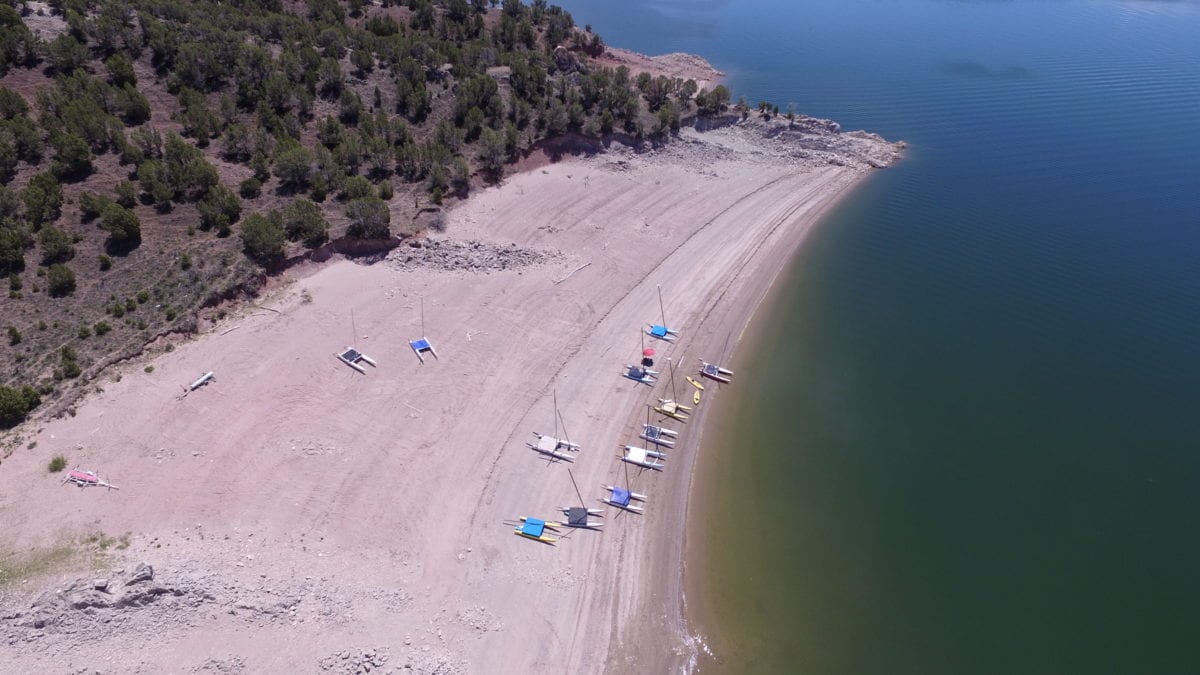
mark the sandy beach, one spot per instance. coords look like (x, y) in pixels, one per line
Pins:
(300, 516)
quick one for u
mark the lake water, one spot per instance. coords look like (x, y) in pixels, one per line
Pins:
(968, 438)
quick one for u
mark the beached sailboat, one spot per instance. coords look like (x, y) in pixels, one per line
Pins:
(622, 499)
(535, 529)
(351, 356)
(660, 331)
(553, 446)
(658, 435)
(715, 372)
(668, 406)
(577, 517)
(640, 374)
(647, 459)
(87, 479)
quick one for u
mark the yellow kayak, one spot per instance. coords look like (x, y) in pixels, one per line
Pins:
(696, 397)
(694, 383)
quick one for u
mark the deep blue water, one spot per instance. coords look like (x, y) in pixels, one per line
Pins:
(969, 438)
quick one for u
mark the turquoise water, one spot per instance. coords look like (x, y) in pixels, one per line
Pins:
(967, 439)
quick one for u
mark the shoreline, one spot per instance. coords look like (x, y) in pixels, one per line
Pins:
(698, 614)
(341, 512)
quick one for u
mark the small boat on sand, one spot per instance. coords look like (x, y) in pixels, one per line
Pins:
(577, 517)
(553, 446)
(658, 435)
(647, 459)
(673, 410)
(622, 498)
(87, 479)
(662, 332)
(714, 372)
(640, 374)
(535, 529)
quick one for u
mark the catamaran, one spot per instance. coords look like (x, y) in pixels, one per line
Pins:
(658, 435)
(535, 529)
(714, 372)
(673, 410)
(642, 457)
(87, 479)
(660, 330)
(642, 375)
(577, 516)
(552, 446)
(351, 356)
(621, 498)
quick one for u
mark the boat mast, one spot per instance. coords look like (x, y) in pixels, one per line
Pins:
(674, 396)
(660, 305)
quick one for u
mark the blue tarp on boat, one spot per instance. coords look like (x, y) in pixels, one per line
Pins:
(620, 496)
(658, 331)
(533, 527)
(421, 344)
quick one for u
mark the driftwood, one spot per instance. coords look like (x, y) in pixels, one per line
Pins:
(559, 281)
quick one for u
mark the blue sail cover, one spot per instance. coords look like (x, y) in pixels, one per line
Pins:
(533, 527)
(658, 331)
(420, 345)
(620, 496)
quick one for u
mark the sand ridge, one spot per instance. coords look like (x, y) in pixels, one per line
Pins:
(329, 514)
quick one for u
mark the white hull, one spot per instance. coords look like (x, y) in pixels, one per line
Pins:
(637, 496)
(631, 507)
(647, 464)
(552, 453)
(661, 431)
(351, 364)
(714, 372)
(548, 442)
(657, 440)
(591, 512)
(659, 454)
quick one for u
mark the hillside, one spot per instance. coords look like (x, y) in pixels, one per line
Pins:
(159, 159)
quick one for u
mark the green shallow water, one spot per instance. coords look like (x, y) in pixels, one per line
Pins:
(964, 439)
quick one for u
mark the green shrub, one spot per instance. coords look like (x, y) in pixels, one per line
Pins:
(302, 221)
(57, 463)
(102, 328)
(126, 194)
(85, 332)
(262, 238)
(60, 280)
(105, 263)
(14, 336)
(219, 208)
(56, 245)
(356, 187)
(15, 404)
(123, 227)
(250, 188)
(70, 363)
(369, 219)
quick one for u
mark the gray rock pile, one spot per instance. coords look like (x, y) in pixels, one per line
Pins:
(98, 605)
(354, 662)
(465, 256)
